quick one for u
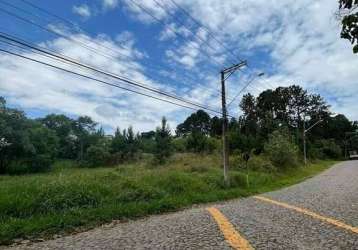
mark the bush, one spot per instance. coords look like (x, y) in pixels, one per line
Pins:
(200, 143)
(280, 150)
(255, 163)
(329, 149)
(245, 143)
(96, 156)
(40, 163)
(179, 145)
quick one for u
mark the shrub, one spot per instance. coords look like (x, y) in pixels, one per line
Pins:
(329, 149)
(40, 163)
(200, 143)
(242, 142)
(96, 156)
(255, 163)
(179, 145)
(280, 150)
(260, 163)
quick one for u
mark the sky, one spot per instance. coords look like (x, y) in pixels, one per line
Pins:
(159, 44)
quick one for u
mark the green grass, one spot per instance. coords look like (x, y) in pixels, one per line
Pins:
(70, 199)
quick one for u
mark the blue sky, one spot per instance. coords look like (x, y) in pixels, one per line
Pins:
(293, 42)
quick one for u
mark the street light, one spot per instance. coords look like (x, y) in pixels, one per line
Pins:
(306, 130)
(304, 136)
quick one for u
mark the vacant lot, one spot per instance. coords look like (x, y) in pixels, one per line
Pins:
(71, 198)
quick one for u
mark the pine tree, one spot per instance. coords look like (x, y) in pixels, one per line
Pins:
(163, 142)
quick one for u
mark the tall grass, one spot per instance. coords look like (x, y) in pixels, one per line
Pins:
(70, 198)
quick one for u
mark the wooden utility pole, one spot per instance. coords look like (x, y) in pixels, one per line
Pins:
(304, 140)
(225, 74)
(224, 128)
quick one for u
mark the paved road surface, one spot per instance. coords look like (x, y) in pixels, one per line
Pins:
(320, 213)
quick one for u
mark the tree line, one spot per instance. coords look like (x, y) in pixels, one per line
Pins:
(270, 123)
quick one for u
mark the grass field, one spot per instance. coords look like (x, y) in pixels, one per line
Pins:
(70, 199)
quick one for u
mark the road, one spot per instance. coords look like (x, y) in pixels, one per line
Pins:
(320, 213)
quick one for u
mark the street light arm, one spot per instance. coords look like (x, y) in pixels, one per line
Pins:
(246, 85)
(313, 125)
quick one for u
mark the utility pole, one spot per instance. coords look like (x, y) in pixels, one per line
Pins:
(225, 74)
(304, 136)
(304, 140)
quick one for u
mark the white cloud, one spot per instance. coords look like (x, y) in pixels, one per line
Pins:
(51, 90)
(145, 10)
(109, 4)
(295, 42)
(83, 10)
(299, 39)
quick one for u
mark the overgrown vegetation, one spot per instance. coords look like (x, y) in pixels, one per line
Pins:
(349, 14)
(98, 177)
(30, 146)
(71, 197)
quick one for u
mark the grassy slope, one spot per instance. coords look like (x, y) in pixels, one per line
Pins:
(72, 198)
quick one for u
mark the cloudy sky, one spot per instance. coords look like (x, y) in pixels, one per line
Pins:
(156, 43)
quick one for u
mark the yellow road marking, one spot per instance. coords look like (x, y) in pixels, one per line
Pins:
(312, 214)
(230, 234)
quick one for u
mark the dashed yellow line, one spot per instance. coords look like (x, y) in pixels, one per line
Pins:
(231, 235)
(312, 214)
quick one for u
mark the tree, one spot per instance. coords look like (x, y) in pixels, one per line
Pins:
(14, 131)
(26, 142)
(200, 143)
(163, 142)
(147, 141)
(84, 127)
(64, 128)
(280, 150)
(118, 142)
(43, 148)
(349, 22)
(216, 126)
(131, 144)
(249, 117)
(198, 122)
(125, 145)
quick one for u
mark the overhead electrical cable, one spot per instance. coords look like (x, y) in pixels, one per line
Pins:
(140, 6)
(97, 80)
(121, 78)
(207, 42)
(200, 24)
(92, 49)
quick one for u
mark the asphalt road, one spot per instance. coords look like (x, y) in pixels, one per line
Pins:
(320, 213)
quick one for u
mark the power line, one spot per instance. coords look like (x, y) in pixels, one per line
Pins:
(23, 48)
(50, 14)
(121, 78)
(97, 80)
(243, 89)
(57, 33)
(207, 42)
(200, 24)
(176, 32)
(26, 50)
(92, 49)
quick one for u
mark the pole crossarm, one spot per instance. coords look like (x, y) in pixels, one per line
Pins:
(234, 67)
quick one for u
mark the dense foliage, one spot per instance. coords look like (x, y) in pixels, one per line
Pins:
(348, 9)
(271, 126)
